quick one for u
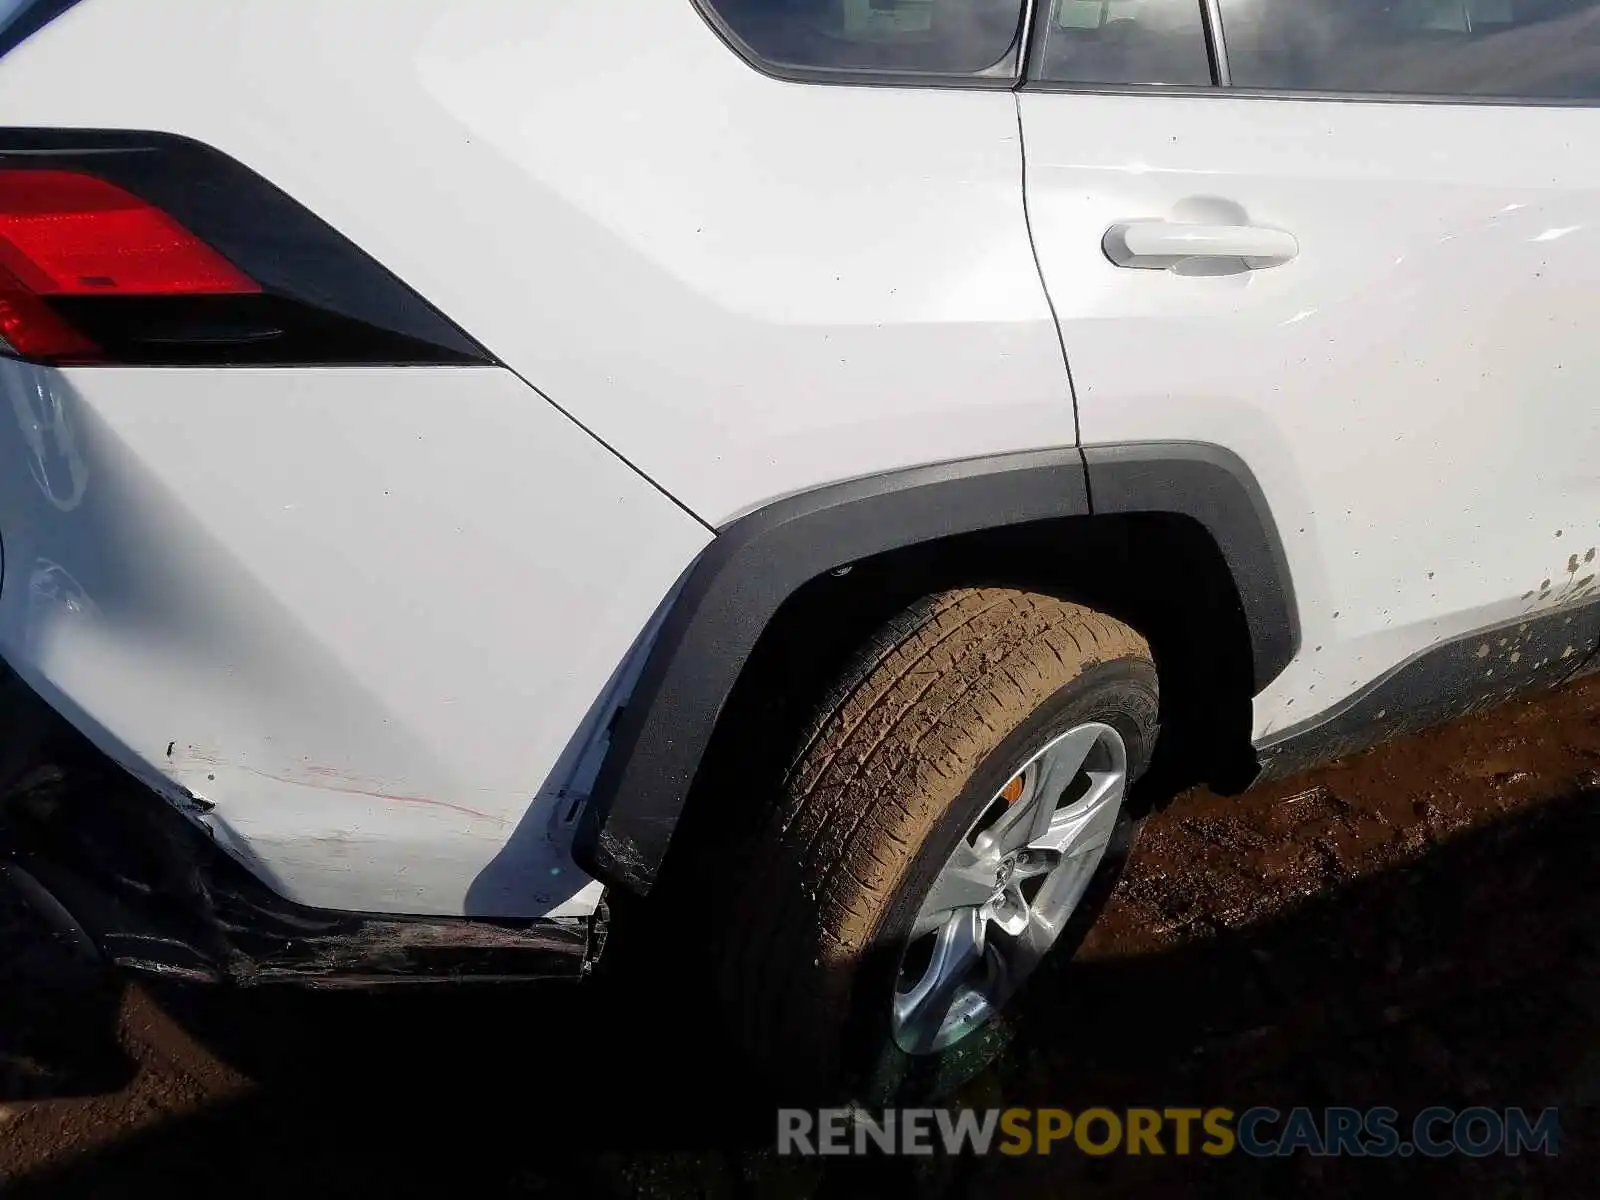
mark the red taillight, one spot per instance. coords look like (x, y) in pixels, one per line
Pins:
(68, 234)
(29, 327)
(121, 248)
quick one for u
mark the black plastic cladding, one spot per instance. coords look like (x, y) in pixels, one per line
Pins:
(326, 302)
(757, 562)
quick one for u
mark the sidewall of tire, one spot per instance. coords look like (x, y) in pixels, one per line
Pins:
(1121, 693)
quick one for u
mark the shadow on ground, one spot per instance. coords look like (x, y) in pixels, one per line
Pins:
(1396, 959)
(1470, 977)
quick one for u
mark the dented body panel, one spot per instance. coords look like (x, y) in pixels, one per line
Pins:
(344, 616)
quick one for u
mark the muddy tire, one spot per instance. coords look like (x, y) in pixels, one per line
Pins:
(912, 762)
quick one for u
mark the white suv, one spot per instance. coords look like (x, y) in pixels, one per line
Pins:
(458, 442)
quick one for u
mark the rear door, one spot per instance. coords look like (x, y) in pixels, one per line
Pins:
(1396, 208)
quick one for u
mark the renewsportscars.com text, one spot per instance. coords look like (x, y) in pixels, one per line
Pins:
(1258, 1132)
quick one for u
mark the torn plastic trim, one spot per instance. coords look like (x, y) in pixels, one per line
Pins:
(156, 894)
(229, 933)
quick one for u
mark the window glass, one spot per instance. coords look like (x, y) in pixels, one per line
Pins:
(20, 18)
(1125, 41)
(926, 36)
(1530, 48)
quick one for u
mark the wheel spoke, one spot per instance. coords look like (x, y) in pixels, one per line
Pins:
(1046, 777)
(1085, 825)
(1004, 896)
(990, 844)
(1061, 766)
(1017, 956)
(967, 881)
(1060, 893)
(921, 1012)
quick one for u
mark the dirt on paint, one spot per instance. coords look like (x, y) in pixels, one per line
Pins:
(1418, 926)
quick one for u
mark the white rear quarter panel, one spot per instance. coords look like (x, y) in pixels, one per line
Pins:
(747, 287)
(362, 612)
(369, 610)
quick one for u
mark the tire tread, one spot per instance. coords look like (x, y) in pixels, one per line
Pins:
(892, 745)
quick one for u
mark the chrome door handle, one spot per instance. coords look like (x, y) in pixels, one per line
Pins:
(1162, 245)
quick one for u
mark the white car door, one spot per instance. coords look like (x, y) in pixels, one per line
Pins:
(1369, 267)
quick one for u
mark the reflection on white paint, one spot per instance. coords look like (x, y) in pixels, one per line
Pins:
(1302, 315)
(1550, 235)
(51, 585)
(54, 598)
(53, 458)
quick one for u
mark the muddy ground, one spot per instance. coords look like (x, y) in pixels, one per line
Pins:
(1417, 926)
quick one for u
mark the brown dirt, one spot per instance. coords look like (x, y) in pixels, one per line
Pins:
(1417, 926)
(895, 750)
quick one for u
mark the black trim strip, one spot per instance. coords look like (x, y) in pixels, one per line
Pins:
(1445, 682)
(1232, 92)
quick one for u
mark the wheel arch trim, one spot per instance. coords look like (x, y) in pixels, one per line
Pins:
(736, 586)
(1214, 487)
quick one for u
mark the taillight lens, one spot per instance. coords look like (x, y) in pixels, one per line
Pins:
(136, 249)
(30, 329)
(65, 234)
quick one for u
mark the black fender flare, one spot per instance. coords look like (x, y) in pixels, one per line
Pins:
(1214, 487)
(755, 563)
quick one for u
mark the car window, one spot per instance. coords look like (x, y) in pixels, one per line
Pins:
(1523, 48)
(20, 18)
(944, 37)
(1124, 41)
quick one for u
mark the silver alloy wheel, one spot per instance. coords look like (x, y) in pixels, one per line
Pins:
(1009, 888)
